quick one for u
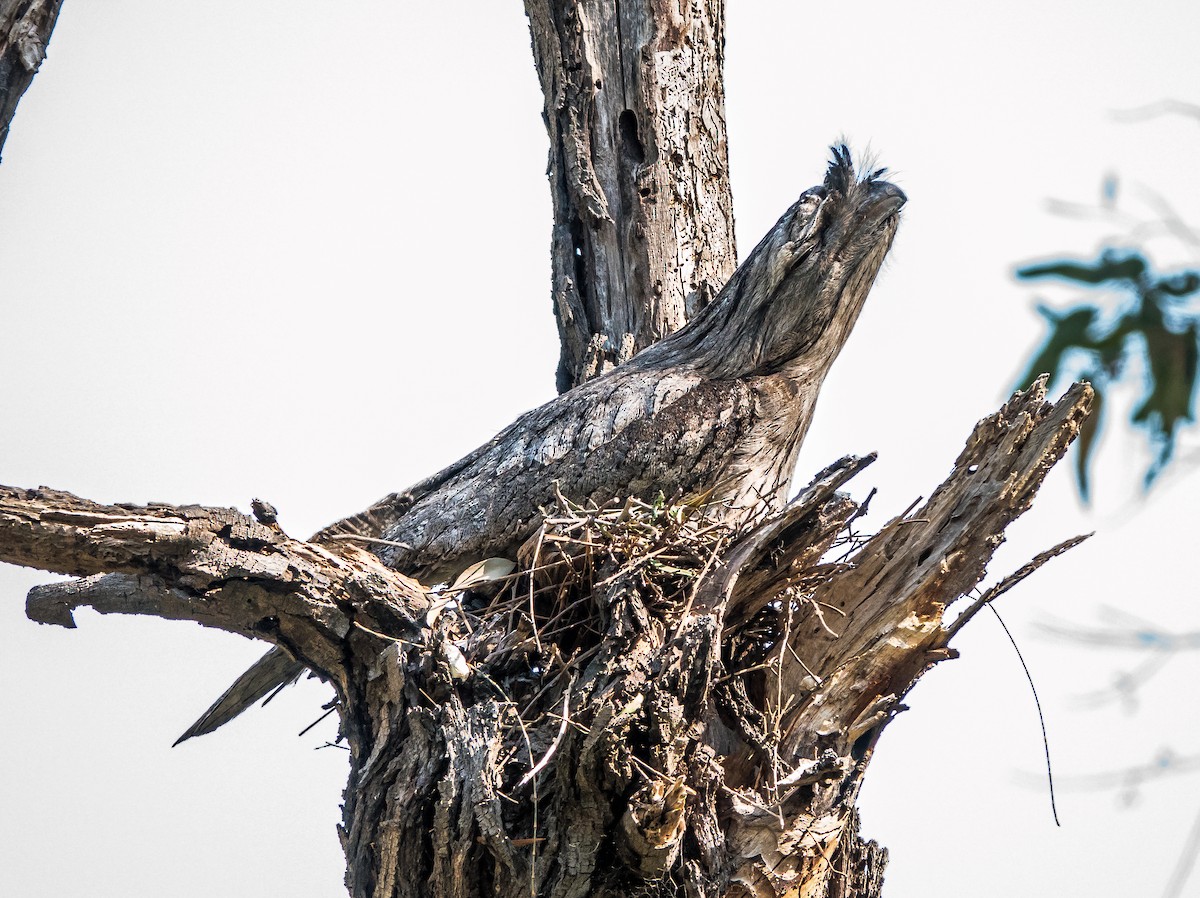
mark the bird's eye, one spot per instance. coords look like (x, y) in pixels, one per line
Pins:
(811, 200)
(807, 209)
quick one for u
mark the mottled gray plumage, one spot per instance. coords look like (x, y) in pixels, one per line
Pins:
(719, 407)
(724, 402)
(269, 673)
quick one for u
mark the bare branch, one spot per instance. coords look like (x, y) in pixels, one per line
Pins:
(55, 603)
(1154, 110)
(214, 566)
(1164, 764)
(1147, 638)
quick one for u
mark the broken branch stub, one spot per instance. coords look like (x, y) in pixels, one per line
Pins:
(634, 106)
(215, 566)
(25, 30)
(852, 646)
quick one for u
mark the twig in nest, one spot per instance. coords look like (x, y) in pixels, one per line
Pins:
(562, 730)
(537, 551)
(318, 720)
(529, 748)
(816, 607)
(568, 666)
(808, 670)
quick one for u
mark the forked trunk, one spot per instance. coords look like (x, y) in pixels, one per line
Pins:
(677, 692)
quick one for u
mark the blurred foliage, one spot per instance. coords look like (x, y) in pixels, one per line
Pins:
(1141, 323)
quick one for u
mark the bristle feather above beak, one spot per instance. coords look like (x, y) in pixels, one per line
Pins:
(840, 177)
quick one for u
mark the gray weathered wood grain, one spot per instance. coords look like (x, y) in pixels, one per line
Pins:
(639, 171)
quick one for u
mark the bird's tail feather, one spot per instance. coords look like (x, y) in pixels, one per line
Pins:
(265, 677)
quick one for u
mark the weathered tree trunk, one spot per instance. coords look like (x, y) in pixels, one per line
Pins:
(664, 705)
(639, 171)
(673, 693)
(25, 27)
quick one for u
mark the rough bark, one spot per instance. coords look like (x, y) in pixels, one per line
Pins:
(214, 566)
(667, 705)
(639, 171)
(25, 27)
(674, 696)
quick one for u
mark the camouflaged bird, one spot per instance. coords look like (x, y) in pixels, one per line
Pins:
(718, 408)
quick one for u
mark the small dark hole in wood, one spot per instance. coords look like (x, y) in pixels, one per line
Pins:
(923, 557)
(628, 126)
(859, 749)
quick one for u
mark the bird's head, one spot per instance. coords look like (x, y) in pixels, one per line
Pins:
(794, 299)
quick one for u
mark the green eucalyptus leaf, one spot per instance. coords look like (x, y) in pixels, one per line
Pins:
(1109, 267)
(1143, 308)
(1171, 361)
(1150, 316)
(1111, 346)
(1068, 331)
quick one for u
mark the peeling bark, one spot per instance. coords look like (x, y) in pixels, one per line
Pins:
(214, 566)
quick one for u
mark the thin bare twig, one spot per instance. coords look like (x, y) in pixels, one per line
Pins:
(537, 551)
(562, 730)
(1010, 581)
(1167, 106)
(1038, 704)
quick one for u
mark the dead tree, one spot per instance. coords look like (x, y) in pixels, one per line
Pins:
(676, 690)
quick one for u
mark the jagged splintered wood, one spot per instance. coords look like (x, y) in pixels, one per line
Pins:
(675, 695)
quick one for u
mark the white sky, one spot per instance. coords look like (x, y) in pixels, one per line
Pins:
(270, 249)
